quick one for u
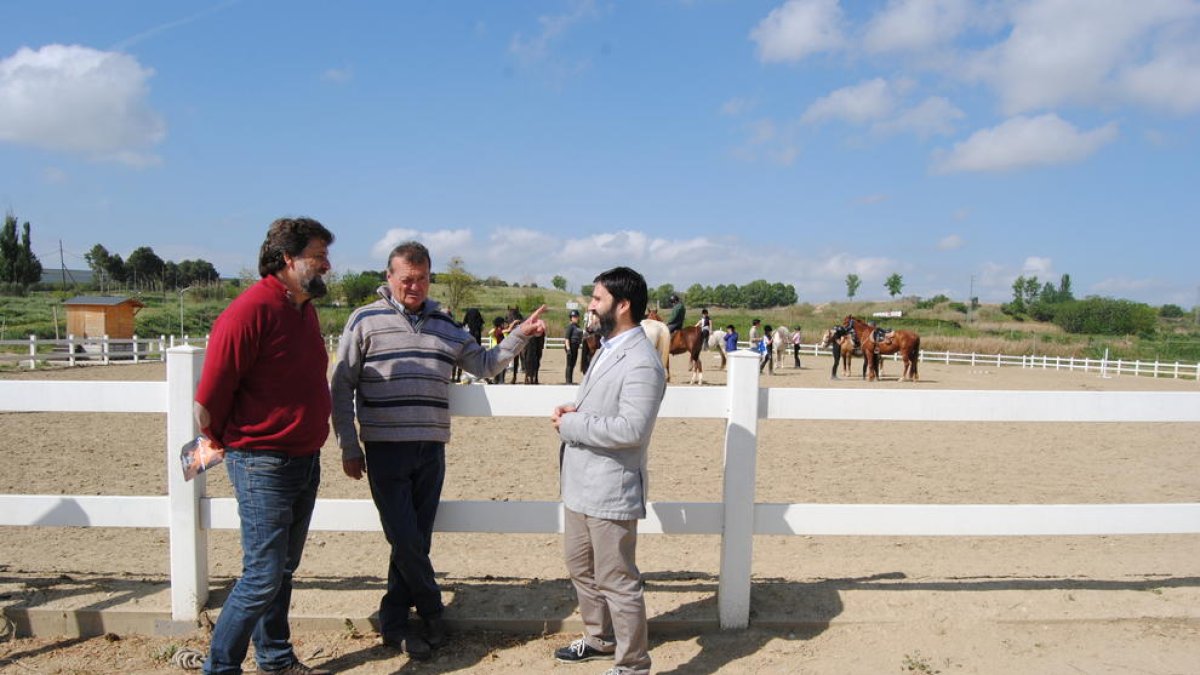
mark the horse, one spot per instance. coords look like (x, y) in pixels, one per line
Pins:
(839, 336)
(781, 341)
(659, 336)
(875, 342)
(687, 340)
(716, 341)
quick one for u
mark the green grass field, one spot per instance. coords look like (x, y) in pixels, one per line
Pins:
(942, 328)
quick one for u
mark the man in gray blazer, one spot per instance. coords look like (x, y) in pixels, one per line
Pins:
(605, 435)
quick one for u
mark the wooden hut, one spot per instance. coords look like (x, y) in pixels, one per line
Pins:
(95, 316)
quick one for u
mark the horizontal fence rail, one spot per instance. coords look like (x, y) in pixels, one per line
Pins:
(75, 351)
(189, 514)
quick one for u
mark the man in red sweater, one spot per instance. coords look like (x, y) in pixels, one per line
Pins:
(264, 399)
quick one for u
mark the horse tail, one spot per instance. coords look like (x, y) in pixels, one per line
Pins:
(916, 354)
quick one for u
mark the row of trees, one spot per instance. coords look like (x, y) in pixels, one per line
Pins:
(144, 268)
(18, 264)
(758, 294)
(1038, 300)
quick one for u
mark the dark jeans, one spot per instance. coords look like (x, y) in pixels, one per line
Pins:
(796, 354)
(275, 496)
(406, 484)
(572, 357)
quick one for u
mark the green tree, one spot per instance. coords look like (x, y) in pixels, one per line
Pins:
(661, 293)
(1106, 316)
(357, 289)
(559, 282)
(145, 267)
(852, 285)
(586, 290)
(1017, 306)
(1064, 288)
(894, 284)
(9, 246)
(697, 295)
(460, 285)
(1171, 312)
(27, 269)
(18, 264)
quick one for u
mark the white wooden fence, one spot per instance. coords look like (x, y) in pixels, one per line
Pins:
(188, 513)
(108, 350)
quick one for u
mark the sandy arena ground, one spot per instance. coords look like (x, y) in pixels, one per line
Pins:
(1116, 604)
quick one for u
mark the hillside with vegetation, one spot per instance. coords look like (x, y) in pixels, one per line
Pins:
(945, 325)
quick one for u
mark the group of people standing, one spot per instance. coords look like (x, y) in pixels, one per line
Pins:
(263, 400)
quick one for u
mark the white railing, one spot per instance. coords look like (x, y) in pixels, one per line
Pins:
(188, 513)
(1104, 367)
(109, 350)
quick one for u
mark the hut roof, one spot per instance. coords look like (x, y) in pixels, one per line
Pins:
(106, 300)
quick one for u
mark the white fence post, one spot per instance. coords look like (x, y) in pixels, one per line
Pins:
(189, 541)
(136, 348)
(32, 352)
(741, 446)
(71, 350)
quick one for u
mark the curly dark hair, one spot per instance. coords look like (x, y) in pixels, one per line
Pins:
(288, 236)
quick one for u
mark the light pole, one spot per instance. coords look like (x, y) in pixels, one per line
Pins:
(181, 292)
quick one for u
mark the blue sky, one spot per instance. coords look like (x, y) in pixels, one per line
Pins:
(959, 143)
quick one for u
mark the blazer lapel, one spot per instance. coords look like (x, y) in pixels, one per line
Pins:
(596, 372)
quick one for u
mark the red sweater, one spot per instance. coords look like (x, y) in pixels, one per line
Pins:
(264, 379)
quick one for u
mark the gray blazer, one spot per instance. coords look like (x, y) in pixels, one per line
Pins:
(605, 440)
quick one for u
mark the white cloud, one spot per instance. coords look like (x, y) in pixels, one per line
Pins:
(1023, 142)
(864, 102)
(736, 106)
(797, 29)
(337, 75)
(439, 242)
(525, 255)
(915, 25)
(76, 99)
(1037, 266)
(935, 116)
(766, 142)
(1074, 51)
(950, 243)
(1170, 82)
(551, 29)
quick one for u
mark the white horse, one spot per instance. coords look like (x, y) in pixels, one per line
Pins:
(716, 341)
(781, 341)
(660, 336)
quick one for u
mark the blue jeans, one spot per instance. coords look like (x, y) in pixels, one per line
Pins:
(275, 496)
(406, 483)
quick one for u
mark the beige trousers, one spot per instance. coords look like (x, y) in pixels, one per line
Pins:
(601, 560)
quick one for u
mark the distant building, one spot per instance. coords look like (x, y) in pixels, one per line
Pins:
(99, 315)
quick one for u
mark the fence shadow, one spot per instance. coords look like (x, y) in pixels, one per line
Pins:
(22, 594)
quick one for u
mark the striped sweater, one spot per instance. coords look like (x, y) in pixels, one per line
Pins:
(394, 375)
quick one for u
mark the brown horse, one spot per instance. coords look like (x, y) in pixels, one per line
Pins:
(875, 342)
(840, 336)
(686, 340)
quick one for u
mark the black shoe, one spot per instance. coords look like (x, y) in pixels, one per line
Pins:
(435, 632)
(580, 651)
(416, 647)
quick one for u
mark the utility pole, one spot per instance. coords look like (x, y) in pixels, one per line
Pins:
(971, 301)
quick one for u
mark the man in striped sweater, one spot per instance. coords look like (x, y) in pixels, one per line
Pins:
(393, 374)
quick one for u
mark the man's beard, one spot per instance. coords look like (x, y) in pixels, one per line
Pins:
(315, 287)
(606, 322)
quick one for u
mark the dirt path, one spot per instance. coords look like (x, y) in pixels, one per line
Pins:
(833, 604)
